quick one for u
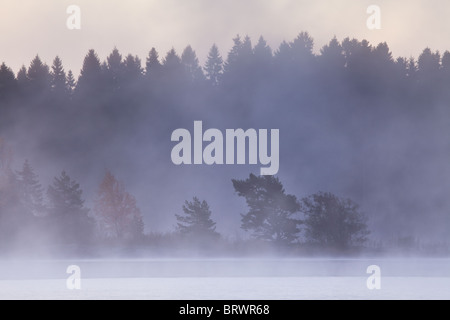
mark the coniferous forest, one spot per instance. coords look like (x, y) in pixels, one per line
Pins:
(364, 152)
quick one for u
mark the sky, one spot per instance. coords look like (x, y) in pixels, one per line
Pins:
(30, 27)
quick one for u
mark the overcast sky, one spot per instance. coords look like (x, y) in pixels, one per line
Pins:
(28, 27)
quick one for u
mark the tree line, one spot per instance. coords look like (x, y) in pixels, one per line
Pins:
(351, 99)
(33, 218)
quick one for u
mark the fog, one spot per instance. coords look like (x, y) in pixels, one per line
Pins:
(354, 121)
(243, 279)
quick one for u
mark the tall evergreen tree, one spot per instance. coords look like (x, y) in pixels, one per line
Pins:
(71, 83)
(31, 191)
(262, 61)
(91, 73)
(302, 47)
(22, 78)
(38, 75)
(214, 66)
(262, 52)
(233, 55)
(190, 62)
(12, 216)
(132, 68)
(8, 83)
(67, 211)
(172, 61)
(58, 77)
(153, 65)
(115, 69)
(332, 59)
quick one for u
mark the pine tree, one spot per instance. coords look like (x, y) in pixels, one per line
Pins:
(233, 55)
(153, 66)
(240, 55)
(117, 213)
(190, 62)
(214, 66)
(196, 221)
(272, 212)
(302, 46)
(38, 75)
(114, 69)
(8, 84)
(262, 52)
(71, 83)
(67, 210)
(22, 78)
(261, 63)
(58, 77)
(132, 68)
(31, 191)
(91, 73)
(12, 216)
(172, 61)
(332, 56)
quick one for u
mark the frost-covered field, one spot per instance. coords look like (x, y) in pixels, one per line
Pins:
(227, 279)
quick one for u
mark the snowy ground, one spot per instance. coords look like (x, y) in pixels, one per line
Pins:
(227, 279)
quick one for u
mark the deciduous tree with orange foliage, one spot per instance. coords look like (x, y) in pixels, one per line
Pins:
(117, 213)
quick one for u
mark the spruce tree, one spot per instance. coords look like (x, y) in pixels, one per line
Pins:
(22, 78)
(192, 67)
(91, 73)
(31, 191)
(214, 66)
(38, 75)
(71, 83)
(153, 65)
(114, 69)
(67, 211)
(58, 77)
(8, 84)
(132, 68)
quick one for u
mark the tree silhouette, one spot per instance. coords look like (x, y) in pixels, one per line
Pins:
(190, 62)
(22, 78)
(332, 59)
(12, 217)
(71, 83)
(66, 209)
(272, 213)
(196, 221)
(302, 49)
(153, 66)
(333, 222)
(360, 119)
(31, 191)
(8, 84)
(39, 76)
(116, 211)
(132, 68)
(91, 73)
(214, 66)
(114, 70)
(58, 77)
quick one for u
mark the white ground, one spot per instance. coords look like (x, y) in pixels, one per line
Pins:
(419, 280)
(229, 288)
